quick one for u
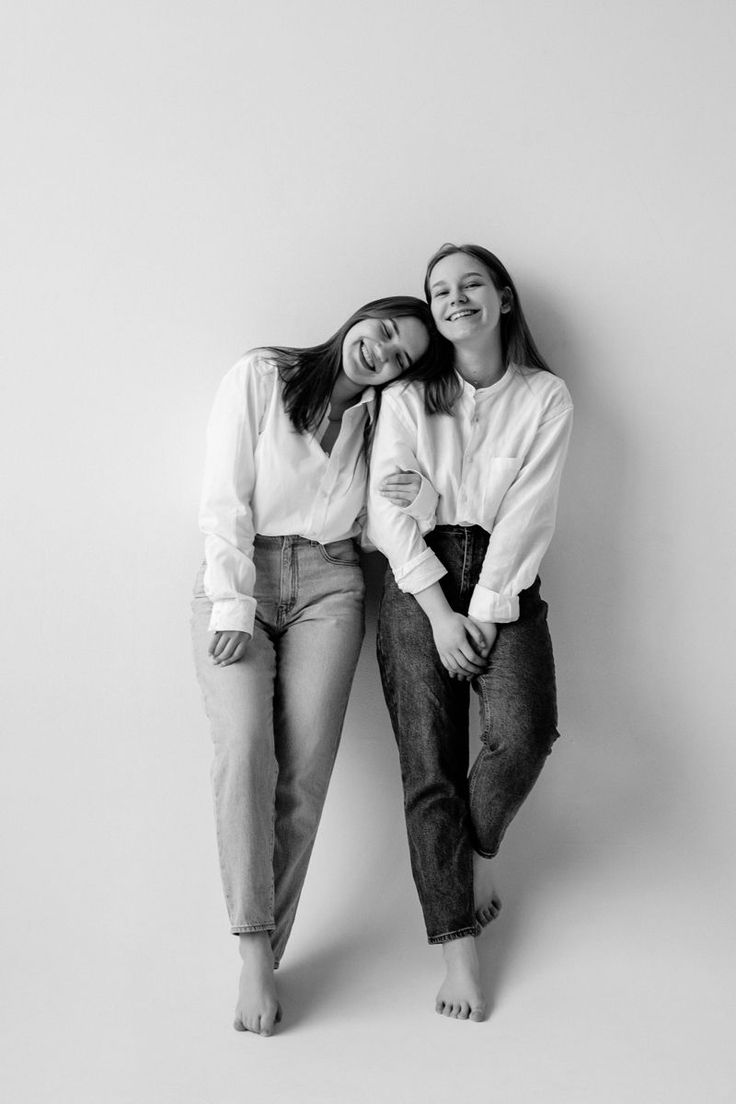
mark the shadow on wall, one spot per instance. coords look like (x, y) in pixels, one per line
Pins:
(612, 788)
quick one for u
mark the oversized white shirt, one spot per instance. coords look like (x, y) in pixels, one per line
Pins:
(262, 476)
(495, 462)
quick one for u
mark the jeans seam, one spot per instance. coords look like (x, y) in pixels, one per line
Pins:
(459, 933)
(244, 929)
(465, 562)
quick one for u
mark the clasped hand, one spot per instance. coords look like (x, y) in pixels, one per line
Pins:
(463, 644)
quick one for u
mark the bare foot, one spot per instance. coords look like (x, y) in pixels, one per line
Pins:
(460, 995)
(258, 1009)
(487, 900)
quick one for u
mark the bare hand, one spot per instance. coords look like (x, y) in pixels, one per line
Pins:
(461, 645)
(489, 630)
(401, 488)
(228, 647)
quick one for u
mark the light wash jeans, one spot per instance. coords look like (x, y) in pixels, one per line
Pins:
(276, 719)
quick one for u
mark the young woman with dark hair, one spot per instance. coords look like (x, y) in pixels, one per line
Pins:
(463, 605)
(278, 605)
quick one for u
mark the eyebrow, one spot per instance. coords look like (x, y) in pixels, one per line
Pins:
(395, 325)
(439, 283)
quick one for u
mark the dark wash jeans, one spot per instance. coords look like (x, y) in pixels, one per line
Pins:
(449, 813)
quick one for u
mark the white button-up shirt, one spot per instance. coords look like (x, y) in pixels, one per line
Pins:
(262, 476)
(495, 462)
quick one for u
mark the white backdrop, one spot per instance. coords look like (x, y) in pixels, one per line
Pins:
(185, 180)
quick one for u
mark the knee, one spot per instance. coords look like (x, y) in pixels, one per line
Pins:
(239, 751)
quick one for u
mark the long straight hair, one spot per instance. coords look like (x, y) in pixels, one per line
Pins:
(517, 344)
(309, 375)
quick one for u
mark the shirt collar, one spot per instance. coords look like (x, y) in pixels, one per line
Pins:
(471, 391)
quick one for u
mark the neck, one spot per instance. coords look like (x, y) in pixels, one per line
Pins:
(482, 364)
(345, 393)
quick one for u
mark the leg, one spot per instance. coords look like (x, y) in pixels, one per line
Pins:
(318, 653)
(239, 703)
(238, 700)
(519, 721)
(429, 714)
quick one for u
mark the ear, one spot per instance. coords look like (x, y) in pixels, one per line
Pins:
(507, 300)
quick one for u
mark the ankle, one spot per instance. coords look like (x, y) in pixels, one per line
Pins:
(459, 950)
(255, 945)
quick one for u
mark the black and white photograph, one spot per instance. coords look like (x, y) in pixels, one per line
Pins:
(368, 708)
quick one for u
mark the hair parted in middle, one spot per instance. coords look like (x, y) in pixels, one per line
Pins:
(308, 375)
(517, 344)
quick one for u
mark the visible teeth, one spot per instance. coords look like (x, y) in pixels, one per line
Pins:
(460, 314)
(366, 356)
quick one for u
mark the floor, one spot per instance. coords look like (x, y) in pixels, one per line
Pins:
(607, 970)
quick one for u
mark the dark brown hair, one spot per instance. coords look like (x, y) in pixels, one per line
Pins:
(309, 374)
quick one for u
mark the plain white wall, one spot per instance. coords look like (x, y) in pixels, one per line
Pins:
(185, 180)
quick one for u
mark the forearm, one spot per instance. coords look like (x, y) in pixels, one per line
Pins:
(434, 603)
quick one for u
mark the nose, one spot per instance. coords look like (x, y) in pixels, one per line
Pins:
(384, 350)
(457, 295)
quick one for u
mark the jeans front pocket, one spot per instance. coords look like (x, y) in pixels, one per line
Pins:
(342, 552)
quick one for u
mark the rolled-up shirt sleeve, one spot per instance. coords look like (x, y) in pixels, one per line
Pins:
(524, 523)
(226, 516)
(393, 529)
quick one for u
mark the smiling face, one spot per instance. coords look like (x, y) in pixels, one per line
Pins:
(464, 301)
(377, 350)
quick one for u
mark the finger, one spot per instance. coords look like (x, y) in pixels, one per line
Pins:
(226, 651)
(477, 638)
(214, 642)
(222, 643)
(471, 661)
(237, 655)
(467, 665)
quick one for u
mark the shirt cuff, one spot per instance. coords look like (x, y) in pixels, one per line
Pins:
(489, 605)
(424, 506)
(233, 615)
(419, 573)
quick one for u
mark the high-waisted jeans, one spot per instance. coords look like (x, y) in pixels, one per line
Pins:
(276, 719)
(450, 813)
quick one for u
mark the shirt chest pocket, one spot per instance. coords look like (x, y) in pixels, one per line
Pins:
(500, 472)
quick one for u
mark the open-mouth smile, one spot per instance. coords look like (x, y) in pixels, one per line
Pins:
(456, 316)
(366, 357)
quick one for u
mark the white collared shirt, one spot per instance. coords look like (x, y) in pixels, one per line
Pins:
(495, 462)
(262, 476)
